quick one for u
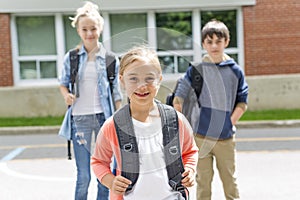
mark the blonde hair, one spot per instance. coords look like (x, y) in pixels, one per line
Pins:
(139, 53)
(89, 9)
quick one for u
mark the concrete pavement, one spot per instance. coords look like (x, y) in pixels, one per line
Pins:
(262, 175)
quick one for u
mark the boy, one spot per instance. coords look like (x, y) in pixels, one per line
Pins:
(223, 100)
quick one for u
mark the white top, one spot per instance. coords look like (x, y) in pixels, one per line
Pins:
(153, 177)
(89, 100)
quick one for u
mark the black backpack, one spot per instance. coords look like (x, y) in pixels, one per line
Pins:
(191, 106)
(129, 148)
(110, 70)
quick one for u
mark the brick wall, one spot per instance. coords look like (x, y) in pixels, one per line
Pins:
(6, 69)
(272, 37)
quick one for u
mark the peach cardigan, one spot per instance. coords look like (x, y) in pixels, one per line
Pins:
(107, 145)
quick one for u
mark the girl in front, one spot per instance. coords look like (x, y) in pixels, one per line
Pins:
(141, 75)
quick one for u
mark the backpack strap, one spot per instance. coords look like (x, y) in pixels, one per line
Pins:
(172, 149)
(128, 145)
(69, 150)
(74, 61)
(110, 66)
(197, 77)
(197, 83)
(170, 97)
(110, 70)
(129, 149)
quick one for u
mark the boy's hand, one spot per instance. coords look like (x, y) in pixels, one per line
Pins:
(120, 184)
(177, 103)
(189, 178)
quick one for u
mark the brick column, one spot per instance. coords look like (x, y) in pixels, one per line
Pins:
(6, 67)
(272, 37)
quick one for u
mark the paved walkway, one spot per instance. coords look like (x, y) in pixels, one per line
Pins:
(261, 176)
(269, 175)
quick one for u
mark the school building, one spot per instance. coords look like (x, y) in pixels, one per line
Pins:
(35, 35)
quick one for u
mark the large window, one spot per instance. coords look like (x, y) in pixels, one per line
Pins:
(36, 47)
(40, 42)
(174, 39)
(174, 30)
(72, 39)
(128, 30)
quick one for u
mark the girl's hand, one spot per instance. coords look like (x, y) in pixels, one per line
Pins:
(69, 98)
(189, 178)
(120, 184)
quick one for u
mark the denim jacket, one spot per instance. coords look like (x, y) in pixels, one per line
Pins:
(103, 84)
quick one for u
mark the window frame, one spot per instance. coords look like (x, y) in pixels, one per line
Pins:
(58, 57)
(196, 52)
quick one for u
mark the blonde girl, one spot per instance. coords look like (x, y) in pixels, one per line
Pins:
(93, 104)
(141, 75)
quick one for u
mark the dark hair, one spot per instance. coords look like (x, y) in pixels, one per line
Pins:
(215, 27)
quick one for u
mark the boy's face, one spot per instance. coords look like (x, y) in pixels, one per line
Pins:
(141, 81)
(215, 47)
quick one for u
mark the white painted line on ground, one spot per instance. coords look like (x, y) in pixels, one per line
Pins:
(268, 139)
(12, 154)
(5, 169)
(35, 146)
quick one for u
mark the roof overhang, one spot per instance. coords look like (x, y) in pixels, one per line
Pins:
(24, 6)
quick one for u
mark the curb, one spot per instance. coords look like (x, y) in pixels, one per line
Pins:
(269, 124)
(54, 129)
(25, 130)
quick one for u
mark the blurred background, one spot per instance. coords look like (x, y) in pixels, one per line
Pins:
(35, 35)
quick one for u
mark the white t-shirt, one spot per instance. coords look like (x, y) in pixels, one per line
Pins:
(89, 100)
(152, 183)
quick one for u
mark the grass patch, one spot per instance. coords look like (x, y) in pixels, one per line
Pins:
(30, 121)
(248, 116)
(271, 115)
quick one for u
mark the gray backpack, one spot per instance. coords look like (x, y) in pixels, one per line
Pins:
(129, 148)
(191, 107)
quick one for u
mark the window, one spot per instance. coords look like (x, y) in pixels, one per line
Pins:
(36, 47)
(36, 35)
(174, 40)
(40, 42)
(174, 30)
(72, 39)
(128, 30)
(37, 69)
(174, 63)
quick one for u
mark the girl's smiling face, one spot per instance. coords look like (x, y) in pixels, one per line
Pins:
(141, 81)
(89, 30)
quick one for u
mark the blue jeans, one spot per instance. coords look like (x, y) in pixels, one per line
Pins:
(83, 127)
